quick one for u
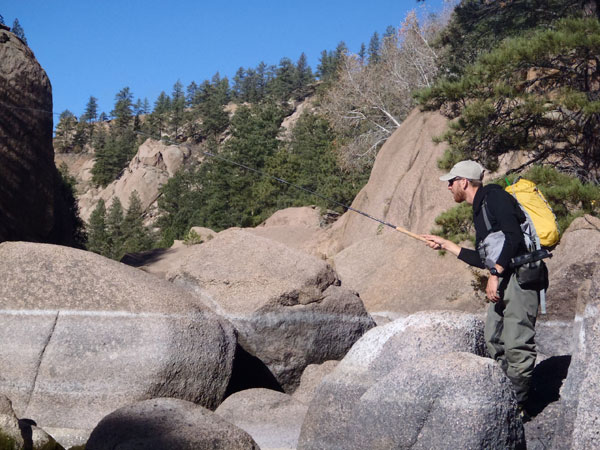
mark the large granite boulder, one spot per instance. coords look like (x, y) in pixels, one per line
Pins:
(403, 188)
(377, 353)
(297, 228)
(574, 261)
(167, 424)
(395, 274)
(81, 335)
(286, 305)
(27, 171)
(311, 379)
(272, 418)
(456, 400)
(579, 422)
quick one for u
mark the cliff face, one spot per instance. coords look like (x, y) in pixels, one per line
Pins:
(27, 168)
(34, 204)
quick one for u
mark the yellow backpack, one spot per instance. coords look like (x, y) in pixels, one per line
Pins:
(540, 212)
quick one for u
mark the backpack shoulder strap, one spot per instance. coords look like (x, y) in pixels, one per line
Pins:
(486, 215)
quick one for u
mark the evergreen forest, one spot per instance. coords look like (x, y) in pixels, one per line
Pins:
(520, 75)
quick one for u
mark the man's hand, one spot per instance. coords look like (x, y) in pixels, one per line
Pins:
(439, 243)
(491, 290)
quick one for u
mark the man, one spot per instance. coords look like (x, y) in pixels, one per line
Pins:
(510, 324)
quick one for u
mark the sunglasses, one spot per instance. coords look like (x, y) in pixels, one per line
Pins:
(451, 182)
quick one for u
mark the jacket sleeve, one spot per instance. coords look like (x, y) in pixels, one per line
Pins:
(502, 208)
(471, 257)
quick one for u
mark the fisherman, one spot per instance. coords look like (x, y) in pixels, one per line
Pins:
(510, 324)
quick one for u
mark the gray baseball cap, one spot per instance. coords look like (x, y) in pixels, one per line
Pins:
(470, 170)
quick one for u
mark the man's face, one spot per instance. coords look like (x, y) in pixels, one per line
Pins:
(456, 186)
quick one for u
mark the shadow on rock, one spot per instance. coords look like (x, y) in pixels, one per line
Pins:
(142, 258)
(548, 377)
(250, 372)
(27, 433)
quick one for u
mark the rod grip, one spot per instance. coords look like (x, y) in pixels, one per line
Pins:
(413, 235)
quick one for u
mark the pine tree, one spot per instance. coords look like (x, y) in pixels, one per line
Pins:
(145, 106)
(137, 108)
(136, 236)
(91, 110)
(362, 53)
(261, 81)
(65, 132)
(304, 76)
(177, 108)
(18, 31)
(238, 85)
(373, 52)
(2, 20)
(122, 111)
(326, 68)
(114, 229)
(283, 84)
(211, 100)
(390, 33)
(97, 234)
(191, 92)
(160, 116)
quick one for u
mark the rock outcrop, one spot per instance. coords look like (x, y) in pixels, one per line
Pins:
(167, 424)
(287, 306)
(151, 167)
(272, 418)
(30, 201)
(82, 335)
(374, 356)
(574, 261)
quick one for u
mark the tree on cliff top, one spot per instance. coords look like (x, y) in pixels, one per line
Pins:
(539, 93)
(18, 31)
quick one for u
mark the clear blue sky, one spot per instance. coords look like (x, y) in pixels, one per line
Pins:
(93, 47)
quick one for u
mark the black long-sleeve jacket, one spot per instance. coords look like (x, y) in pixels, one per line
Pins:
(504, 215)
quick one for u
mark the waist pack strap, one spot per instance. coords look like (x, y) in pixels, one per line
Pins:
(543, 301)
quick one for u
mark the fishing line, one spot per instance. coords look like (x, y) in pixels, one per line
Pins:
(281, 180)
